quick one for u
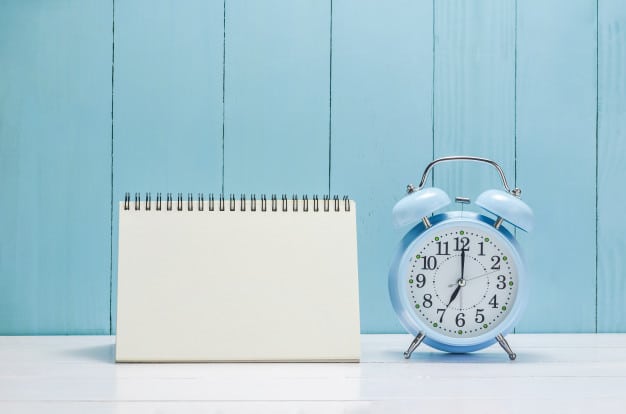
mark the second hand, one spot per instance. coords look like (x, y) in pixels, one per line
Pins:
(475, 277)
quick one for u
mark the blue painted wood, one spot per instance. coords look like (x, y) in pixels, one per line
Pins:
(277, 96)
(381, 128)
(55, 156)
(611, 165)
(55, 132)
(556, 110)
(474, 99)
(168, 100)
(168, 96)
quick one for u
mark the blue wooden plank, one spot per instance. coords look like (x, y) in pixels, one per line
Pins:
(168, 96)
(168, 99)
(55, 137)
(556, 121)
(55, 156)
(611, 166)
(277, 96)
(474, 100)
(381, 128)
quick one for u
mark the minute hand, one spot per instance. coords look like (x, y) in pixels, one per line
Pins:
(462, 263)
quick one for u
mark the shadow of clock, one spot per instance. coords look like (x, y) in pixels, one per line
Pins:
(494, 356)
(472, 358)
(489, 356)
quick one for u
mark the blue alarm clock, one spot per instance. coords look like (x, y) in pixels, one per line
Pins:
(458, 281)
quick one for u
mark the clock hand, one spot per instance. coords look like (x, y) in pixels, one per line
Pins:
(462, 280)
(454, 295)
(484, 274)
(460, 283)
(475, 277)
(462, 263)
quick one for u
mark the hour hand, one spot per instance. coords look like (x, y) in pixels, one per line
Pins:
(454, 295)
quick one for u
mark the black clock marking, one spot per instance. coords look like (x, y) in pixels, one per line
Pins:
(462, 282)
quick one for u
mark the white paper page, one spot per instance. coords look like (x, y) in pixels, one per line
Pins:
(237, 285)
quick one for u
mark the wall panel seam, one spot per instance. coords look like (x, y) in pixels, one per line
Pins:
(596, 160)
(515, 104)
(223, 89)
(432, 175)
(515, 111)
(112, 171)
(330, 95)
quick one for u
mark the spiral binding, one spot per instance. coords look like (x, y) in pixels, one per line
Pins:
(245, 203)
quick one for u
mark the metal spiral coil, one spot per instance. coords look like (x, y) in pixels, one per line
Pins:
(298, 204)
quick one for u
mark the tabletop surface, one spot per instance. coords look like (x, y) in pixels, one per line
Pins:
(553, 373)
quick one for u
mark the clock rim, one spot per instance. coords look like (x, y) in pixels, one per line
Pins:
(414, 325)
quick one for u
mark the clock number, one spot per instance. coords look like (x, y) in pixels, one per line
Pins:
(428, 300)
(443, 311)
(482, 248)
(501, 285)
(460, 322)
(480, 318)
(496, 264)
(420, 280)
(462, 243)
(430, 262)
(494, 302)
(443, 248)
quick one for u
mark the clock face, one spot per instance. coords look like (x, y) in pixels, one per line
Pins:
(462, 279)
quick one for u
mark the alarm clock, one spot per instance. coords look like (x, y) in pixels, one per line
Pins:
(458, 281)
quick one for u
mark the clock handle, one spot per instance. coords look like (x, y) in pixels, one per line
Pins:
(516, 191)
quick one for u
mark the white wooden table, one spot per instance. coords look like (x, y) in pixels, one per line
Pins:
(552, 374)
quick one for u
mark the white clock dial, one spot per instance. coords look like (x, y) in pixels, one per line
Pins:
(462, 280)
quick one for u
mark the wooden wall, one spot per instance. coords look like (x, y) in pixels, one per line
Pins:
(306, 96)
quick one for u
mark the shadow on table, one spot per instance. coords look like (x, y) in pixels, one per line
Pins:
(96, 353)
(444, 357)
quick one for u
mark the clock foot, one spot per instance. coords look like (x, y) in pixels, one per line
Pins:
(505, 345)
(416, 342)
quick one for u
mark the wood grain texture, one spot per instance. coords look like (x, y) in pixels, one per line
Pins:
(474, 99)
(277, 96)
(611, 166)
(168, 96)
(55, 150)
(381, 128)
(167, 100)
(556, 111)
(552, 374)
(408, 82)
